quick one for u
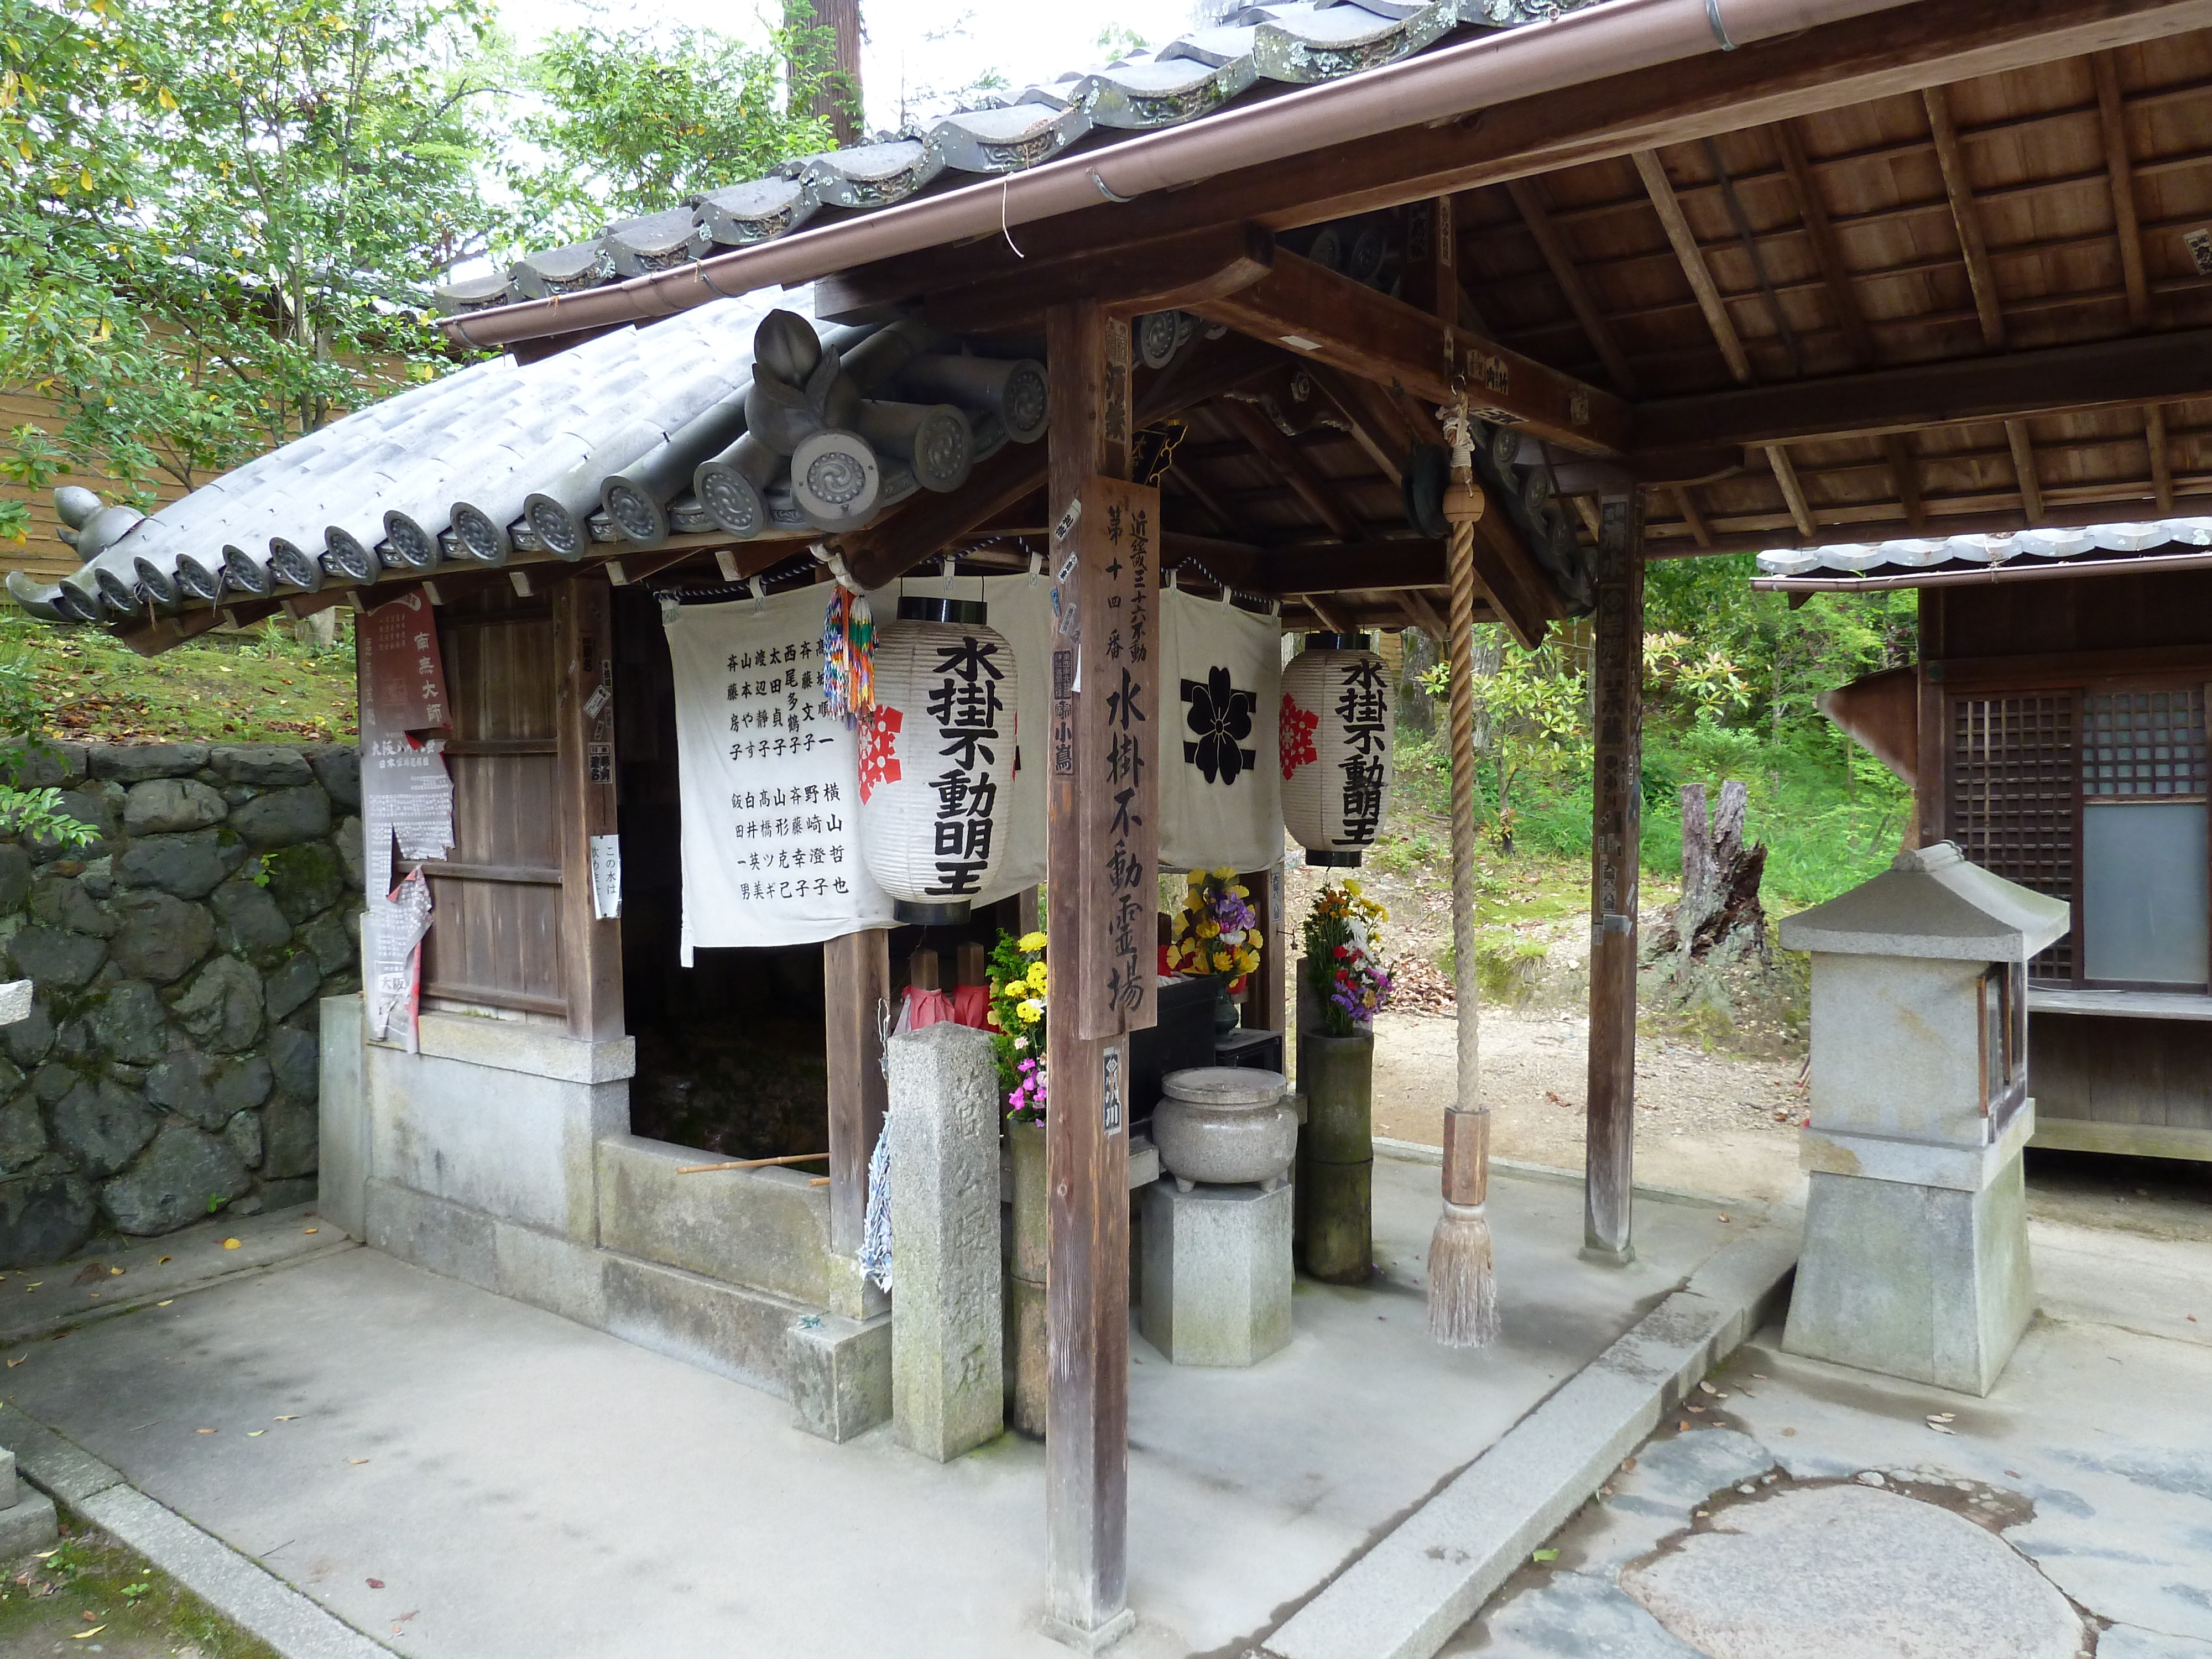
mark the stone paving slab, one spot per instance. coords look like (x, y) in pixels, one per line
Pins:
(2089, 1467)
(36, 1302)
(644, 1508)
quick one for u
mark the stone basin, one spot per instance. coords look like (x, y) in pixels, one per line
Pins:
(1225, 1125)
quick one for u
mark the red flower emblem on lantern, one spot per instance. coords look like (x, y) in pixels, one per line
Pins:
(879, 751)
(1297, 731)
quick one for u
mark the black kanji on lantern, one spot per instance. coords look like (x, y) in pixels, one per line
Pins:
(1221, 716)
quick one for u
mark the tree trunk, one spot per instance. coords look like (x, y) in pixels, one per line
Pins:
(837, 98)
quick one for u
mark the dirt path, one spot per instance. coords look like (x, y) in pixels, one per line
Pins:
(1704, 1121)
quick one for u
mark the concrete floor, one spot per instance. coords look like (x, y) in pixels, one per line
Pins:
(2092, 1458)
(523, 1487)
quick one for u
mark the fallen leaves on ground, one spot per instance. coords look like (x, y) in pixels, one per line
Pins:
(232, 1243)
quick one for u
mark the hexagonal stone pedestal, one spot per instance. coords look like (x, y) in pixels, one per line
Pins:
(1216, 1272)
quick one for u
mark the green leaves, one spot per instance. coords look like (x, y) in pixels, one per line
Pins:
(632, 121)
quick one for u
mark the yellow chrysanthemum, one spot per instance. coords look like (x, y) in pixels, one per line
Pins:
(1223, 962)
(1030, 1010)
(1351, 887)
(1037, 979)
(1029, 942)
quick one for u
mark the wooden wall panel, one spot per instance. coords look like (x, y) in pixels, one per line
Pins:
(496, 926)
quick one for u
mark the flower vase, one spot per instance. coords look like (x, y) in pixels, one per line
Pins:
(1226, 1013)
(1027, 1364)
(1335, 1226)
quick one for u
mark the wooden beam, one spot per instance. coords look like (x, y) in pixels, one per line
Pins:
(2131, 372)
(1904, 476)
(1424, 616)
(1994, 522)
(1087, 1157)
(1747, 239)
(1290, 462)
(1430, 281)
(1334, 618)
(1361, 567)
(856, 979)
(1325, 315)
(2112, 119)
(1980, 276)
(1692, 257)
(1528, 199)
(1828, 248)
(1687, 507)
(1382, 444)
(987, 286)
(1786, 475)
(2023, 467)
(1616, 853)
(591, 948)
(2162, 464)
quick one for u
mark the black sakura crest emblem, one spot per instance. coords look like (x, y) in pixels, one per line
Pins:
(1221, 718)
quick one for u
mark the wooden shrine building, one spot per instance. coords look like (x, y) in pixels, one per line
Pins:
(1714, 275)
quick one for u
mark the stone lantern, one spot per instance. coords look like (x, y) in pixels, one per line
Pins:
(1915, 1260)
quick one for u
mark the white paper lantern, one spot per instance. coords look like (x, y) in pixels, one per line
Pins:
(937, 766)
(1335, 737)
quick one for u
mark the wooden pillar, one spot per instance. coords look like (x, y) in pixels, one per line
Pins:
(1101, 852)
(856, 982)
(1616, 827)
(1935, 739)
(584, 717)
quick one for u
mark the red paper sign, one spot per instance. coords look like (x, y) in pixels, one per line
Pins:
(404, 677)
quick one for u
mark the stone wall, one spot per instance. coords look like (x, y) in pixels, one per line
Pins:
(169, 1069)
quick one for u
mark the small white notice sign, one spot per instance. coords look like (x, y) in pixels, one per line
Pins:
(606, 878)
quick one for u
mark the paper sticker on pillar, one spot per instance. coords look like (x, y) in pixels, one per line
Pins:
(938, 765)
(1336, 748)
(606, 878)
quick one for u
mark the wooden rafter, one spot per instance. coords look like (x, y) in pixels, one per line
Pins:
(1337, 321)
(1292, 465)
(1661, 189)
(1828, 248)
(1905, 477)
(2128, 373)
(1423, 614)
(1786, 475)
(2162, 462)
(1687, 505)
(2112, 122)
(1528, 199)
(1181, 477)
(2023, 467)
(1973, 248)
(1747, 239)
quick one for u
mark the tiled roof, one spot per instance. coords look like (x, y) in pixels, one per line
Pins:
(1262, 48)
(631, 436)
(2019, 550)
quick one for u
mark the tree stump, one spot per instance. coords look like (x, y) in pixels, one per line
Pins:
(1720, 877)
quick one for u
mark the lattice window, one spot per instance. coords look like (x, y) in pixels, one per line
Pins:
(2013, 776)
(2144, 745)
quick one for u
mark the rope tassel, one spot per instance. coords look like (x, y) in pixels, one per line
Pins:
(1462, 1272)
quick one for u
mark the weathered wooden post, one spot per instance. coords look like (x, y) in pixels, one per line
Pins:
(1616, 827)
(1103, 840)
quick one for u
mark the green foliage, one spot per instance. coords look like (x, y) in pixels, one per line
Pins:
(633, 120)
(219, 219)
(1732, 679)
(32, 814)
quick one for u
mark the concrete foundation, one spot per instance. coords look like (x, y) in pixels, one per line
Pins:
(1216, 1272)
(26, 1515)
(500, 1155)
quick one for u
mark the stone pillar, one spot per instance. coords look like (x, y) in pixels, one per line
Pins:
(946, 1376)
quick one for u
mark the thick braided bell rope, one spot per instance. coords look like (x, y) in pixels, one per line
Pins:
(1461, 654)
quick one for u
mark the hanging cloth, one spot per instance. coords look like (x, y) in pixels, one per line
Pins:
(971, 1006)
(920, 1007)
(875, 1257)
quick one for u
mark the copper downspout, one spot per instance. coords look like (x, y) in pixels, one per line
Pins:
(1607, 39)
